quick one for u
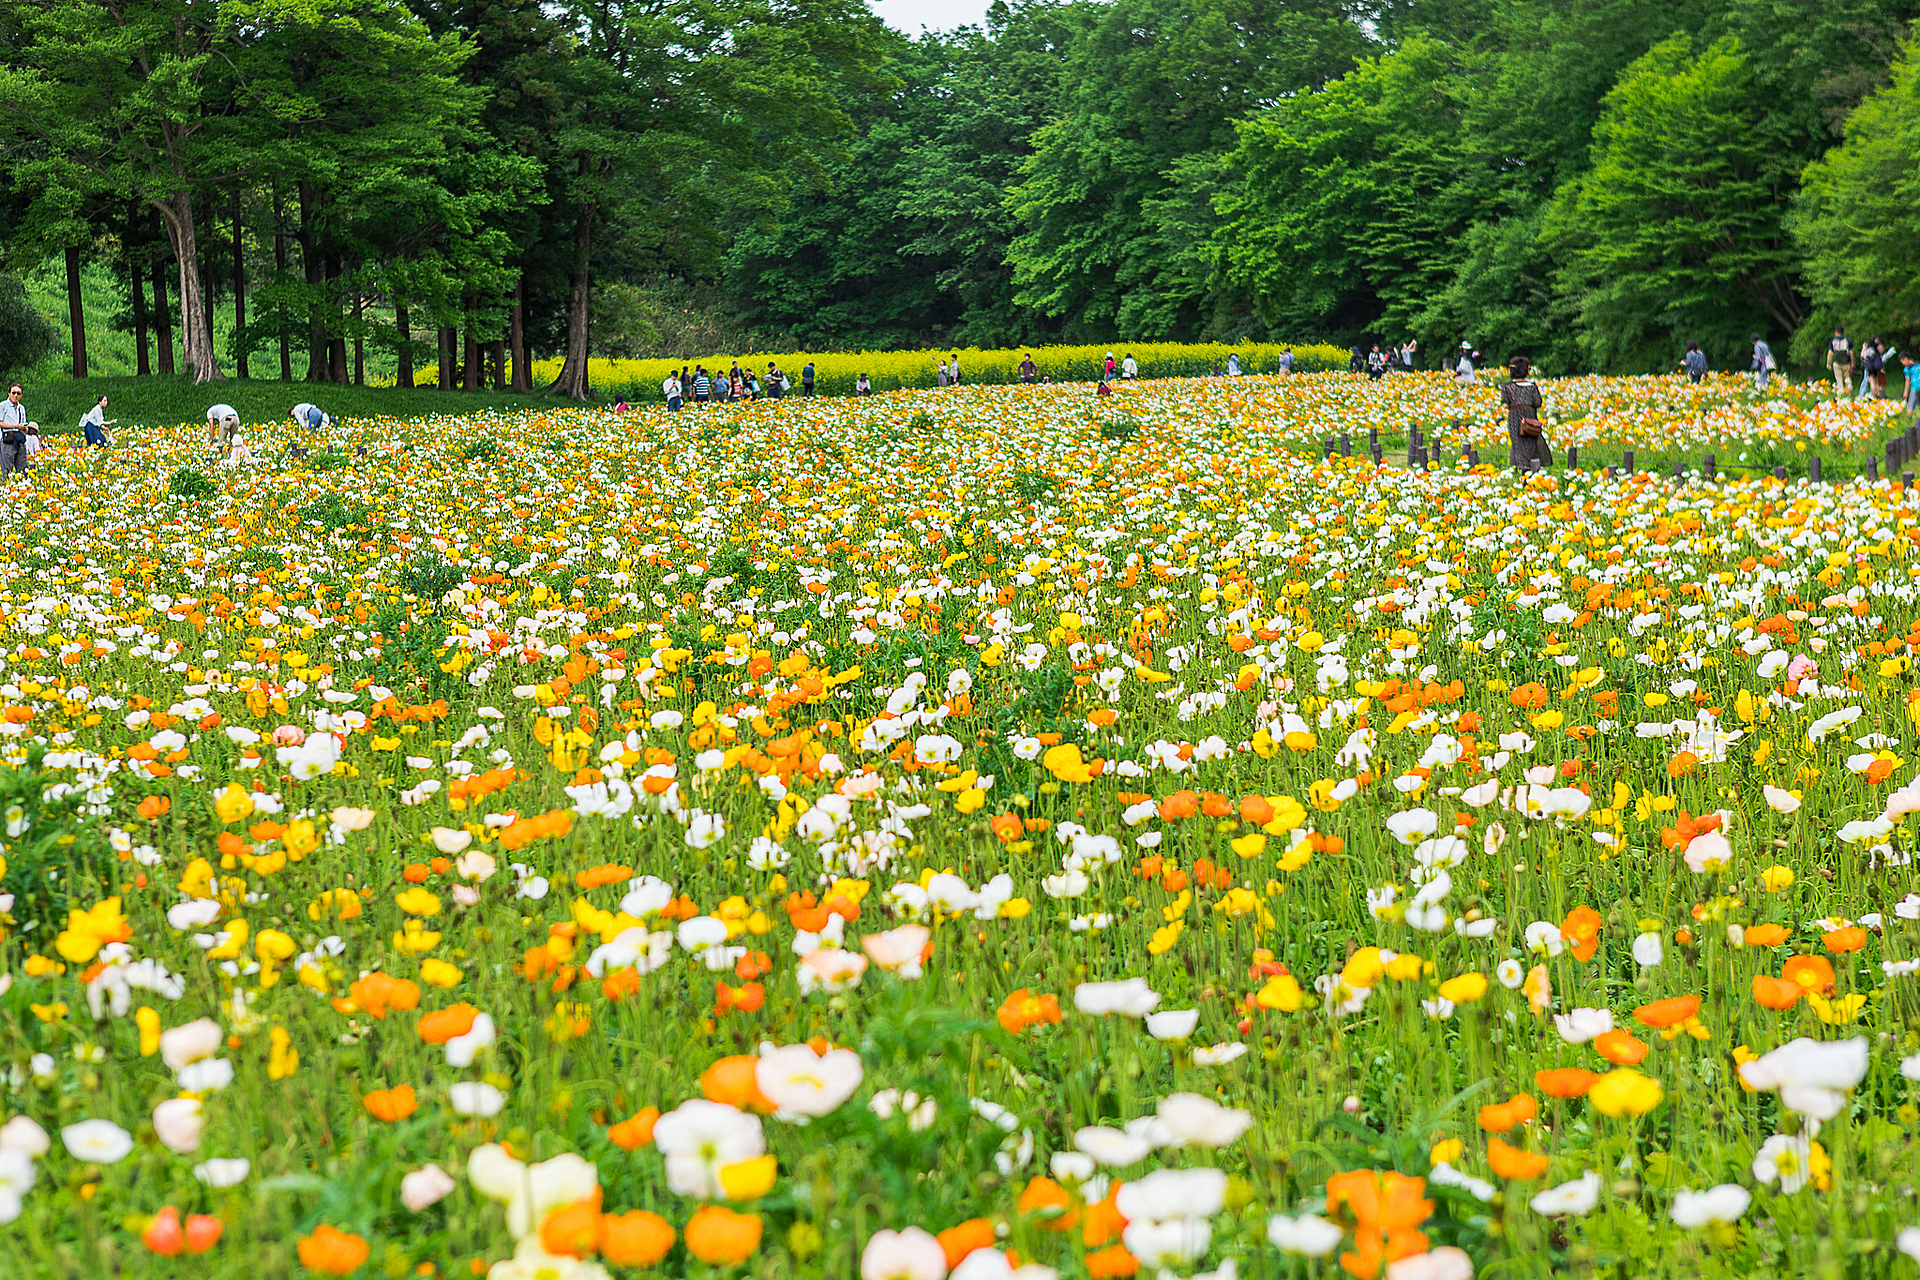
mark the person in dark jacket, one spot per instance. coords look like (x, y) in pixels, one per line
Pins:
(1521, 395)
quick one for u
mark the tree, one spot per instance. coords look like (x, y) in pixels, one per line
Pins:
(1678, 230)
(1151, 85)
(1857, 218)
(669, 100)
(26, 336)
(117, 91)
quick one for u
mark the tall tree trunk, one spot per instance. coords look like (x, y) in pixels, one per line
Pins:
(315, 273)
(176, 212)
(359, 349)
(206, 271)
(472, 379)
(280, 273)
(499, 348)
(336, 343)
(403, 350)
(76, 314)
(447, 338)
(162, 321)
(143, 368)
(517, 335)
(240, 342)
(573, 381)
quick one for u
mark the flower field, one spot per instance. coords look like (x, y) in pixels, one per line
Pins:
(982, 833)
(639, 380)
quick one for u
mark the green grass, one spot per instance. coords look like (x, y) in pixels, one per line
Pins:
(57, 406)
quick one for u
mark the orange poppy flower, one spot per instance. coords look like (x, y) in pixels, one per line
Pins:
(1670, 1012)
(443, 1025)
(573, 1229)
(604, 874)
(330, 1251)
(1530, 696)
(731, 1080)
(377, 994)
(1581, 929)
(1102, 1223)
(1501, 1116)
(720, 1237)
(1048, 1198)
(1765, 935)
(1386, 1210)
(635, 1131)
(1007, 827)
(1565, 1082)
(391, 1105)
(636, 1239)
(1112, 1263)
(1023, 1009)
(1809, 973)
(1619, 1047)
(1512, 1163)
(1841, 941)
(962, 1239)
(1776, 993)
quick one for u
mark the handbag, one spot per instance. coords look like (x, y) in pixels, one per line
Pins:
(1531, 429)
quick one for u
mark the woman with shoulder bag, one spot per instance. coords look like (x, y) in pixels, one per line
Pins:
(1527, 448)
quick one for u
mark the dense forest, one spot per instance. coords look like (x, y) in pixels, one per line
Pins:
(438, 189)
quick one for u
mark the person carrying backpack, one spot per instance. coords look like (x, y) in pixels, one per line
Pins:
(1840, 360)
(806, 379)
(1763, 365)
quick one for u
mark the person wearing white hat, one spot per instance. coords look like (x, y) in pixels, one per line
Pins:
(222, 420)
(1464, 369)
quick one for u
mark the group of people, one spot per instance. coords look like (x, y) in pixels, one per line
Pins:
(1377, 364)
(736, 384)
(1875, 359)
(20, 438)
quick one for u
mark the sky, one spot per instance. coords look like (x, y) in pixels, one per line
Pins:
(909, 16)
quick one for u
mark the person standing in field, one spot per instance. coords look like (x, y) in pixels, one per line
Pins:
(863, 385)
(1840, 359)
(1376, 364)
(1876, 370)
(1233, 364)
(1762, 362)
(1128, 369)
(1463, 368)
(671, 390)
(1694, 362)
(806, 378)
(13, 432)
(1286, 362)
(1407, 351)
(1527, 448)
(1028, 371)
(953, 368)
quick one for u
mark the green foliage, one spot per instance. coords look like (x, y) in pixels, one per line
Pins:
(54, 852)
(1152, 87)
(333, 513)
(1857, 219)
(1124, 430)
(1677, 232)
(186, 482)
(26, 336)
